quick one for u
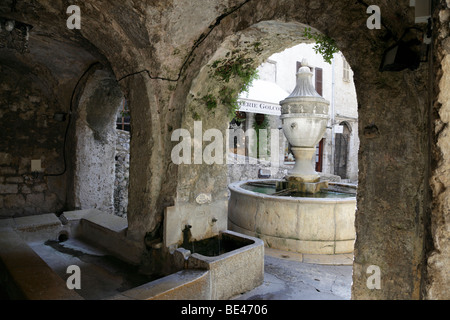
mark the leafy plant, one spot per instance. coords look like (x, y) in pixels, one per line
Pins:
(257, 47)
(238, 66)
(325, 46)
(229, 98)
(235, 67)
(210, 101)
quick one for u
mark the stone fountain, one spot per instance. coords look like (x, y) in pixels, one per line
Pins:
(299, 213)
(304, 116)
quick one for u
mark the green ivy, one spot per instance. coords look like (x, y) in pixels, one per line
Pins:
(210, 101)
(234, 67)
(196, 116)
(325, 45)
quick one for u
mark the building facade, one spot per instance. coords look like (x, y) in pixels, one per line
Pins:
(337, 153)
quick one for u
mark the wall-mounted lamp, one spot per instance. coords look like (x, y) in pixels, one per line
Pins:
(400, 57)
(408, 52)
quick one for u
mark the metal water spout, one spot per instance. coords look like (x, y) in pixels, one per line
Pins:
(186, 235)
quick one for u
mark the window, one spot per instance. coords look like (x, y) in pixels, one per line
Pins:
(268, 71)
(319, 80)
(318, 77)
(123, 117)
(346, 76)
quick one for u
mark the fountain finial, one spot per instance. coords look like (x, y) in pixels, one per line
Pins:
(305, 63)
(304, 86)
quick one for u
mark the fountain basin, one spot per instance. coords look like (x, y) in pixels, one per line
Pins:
(319, 224)
(236, 267)
(35, 252)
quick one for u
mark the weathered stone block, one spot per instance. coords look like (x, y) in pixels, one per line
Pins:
(9, 188)
(40, 187)
(14, 201)
(24, 165)
(14, 180)
(5, 158)
(35, 199)
(24, 189)
(7, 171)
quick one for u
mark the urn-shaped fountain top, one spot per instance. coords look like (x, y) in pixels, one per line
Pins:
(304, 116)
(304, 98)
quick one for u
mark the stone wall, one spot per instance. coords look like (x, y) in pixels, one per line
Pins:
(239, 169)
(438, 284)
(29, 132)
(122, 173)
(161, 53)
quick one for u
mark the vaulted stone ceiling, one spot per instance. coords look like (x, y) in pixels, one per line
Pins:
(162, 36)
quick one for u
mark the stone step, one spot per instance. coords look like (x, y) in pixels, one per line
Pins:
(27, 276)
(186, 283)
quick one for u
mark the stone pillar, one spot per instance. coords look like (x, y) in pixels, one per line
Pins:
(438, 274)
(392, 203)
(152, 174)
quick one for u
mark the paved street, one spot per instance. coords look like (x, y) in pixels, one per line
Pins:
(288, 278)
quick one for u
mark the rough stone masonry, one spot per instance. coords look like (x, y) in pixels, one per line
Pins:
(161, 56)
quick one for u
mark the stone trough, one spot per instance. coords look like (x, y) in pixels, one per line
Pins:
(36, 251)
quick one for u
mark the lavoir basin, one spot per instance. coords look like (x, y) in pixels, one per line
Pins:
(38, 253)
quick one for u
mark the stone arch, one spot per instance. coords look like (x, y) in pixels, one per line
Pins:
(364, 50)
(172, 92)
(174, 40)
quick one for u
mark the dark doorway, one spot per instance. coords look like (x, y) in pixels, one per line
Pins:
(341, 151)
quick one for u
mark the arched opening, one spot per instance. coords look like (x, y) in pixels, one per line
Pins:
(207, 109)
(365, 66)
(276, 79)
(122, 159)
(94, 141)
(342, 149)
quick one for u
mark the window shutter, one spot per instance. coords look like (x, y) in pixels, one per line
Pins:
(319, 81)
(346, 71)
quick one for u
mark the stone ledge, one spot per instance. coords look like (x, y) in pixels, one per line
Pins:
(106, 230)
(6, 223)
(187, 283)
(32, 277)
(105, 220)
(345, 259)
(36, 222)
